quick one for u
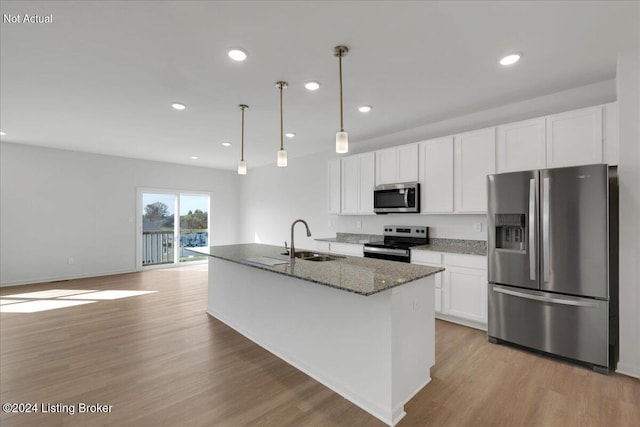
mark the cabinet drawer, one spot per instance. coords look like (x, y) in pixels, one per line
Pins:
(426, 257)
(469, 261)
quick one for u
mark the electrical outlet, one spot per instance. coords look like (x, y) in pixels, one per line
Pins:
(71, 261)
(477, 226)
(358, 224)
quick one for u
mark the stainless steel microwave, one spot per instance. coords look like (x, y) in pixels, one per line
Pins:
(397, 198)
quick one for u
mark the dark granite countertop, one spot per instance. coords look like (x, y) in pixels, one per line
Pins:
(364, 276)
(455, 246)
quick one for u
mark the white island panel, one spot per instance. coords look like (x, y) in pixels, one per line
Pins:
(375, 351)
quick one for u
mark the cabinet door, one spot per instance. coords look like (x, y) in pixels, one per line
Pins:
(350, 194)
(358, 178)
(334, 186)
(521, 146)
(407, 163)
(436, 175)
(574, 138)
(465, 293)
(367, 183)
(386, 166)
(474, 160)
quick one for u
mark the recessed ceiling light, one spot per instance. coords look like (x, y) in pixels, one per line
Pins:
(312, 85)
(178, 106)
(510, 59)
(237, 54)
(226, 144)
(2, 133)
(289, 134)
(364, 108)
(194, 157)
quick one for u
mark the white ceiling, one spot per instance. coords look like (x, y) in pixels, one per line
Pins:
(102, 76)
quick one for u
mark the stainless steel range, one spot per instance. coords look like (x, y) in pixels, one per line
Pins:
(398, 239)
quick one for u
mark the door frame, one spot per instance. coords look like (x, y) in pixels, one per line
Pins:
(176, 225)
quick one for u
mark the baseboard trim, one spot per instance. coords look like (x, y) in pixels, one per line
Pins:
(628, 370)
(463, 322)
(61, 278)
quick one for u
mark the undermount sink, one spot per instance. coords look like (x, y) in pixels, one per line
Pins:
(313, 256)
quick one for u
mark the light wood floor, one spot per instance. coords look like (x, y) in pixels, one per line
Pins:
(160, 360)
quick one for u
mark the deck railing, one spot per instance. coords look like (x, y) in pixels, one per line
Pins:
(157, 247)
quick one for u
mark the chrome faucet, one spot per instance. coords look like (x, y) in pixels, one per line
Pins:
(292, 250)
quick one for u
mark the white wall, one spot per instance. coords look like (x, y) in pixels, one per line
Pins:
(57, 204)
(628, 80)
(274, 197)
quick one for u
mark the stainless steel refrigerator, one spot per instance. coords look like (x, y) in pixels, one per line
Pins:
(552, 253)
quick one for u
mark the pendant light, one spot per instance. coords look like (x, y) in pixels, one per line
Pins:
(242, 165)
(282, 154)
(342, 137)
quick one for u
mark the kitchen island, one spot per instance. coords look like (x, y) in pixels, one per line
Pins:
(363, 327)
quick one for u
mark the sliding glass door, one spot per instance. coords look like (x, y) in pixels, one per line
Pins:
(163, 237)
(194, 225)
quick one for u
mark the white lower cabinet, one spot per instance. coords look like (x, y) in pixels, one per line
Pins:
(464, 293)
(460, 290)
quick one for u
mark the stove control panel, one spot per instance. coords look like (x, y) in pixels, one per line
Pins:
(406, 231)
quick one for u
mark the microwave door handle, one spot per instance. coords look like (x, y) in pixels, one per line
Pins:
(532, 229)
(406, 198)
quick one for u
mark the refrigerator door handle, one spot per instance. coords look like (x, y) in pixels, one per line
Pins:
(545, 299)
(546, 219)
(532, 229)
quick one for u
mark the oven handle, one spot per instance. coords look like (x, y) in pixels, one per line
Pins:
(403, 252)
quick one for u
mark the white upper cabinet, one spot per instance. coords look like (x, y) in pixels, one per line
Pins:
(475, 158)
(408, 163)
(334, 186)
(611, 140)
(453, 170)
(397, 164)
(358, 176)
(574, 138)
(521, 146)
(436, 175)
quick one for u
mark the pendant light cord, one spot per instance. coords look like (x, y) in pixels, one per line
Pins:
(242, 137)
(341, 118)
(281, 120)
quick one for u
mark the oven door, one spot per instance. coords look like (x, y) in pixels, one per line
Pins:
(390, 254)
(394, 198)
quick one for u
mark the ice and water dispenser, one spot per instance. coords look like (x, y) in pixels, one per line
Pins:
(510, 231)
